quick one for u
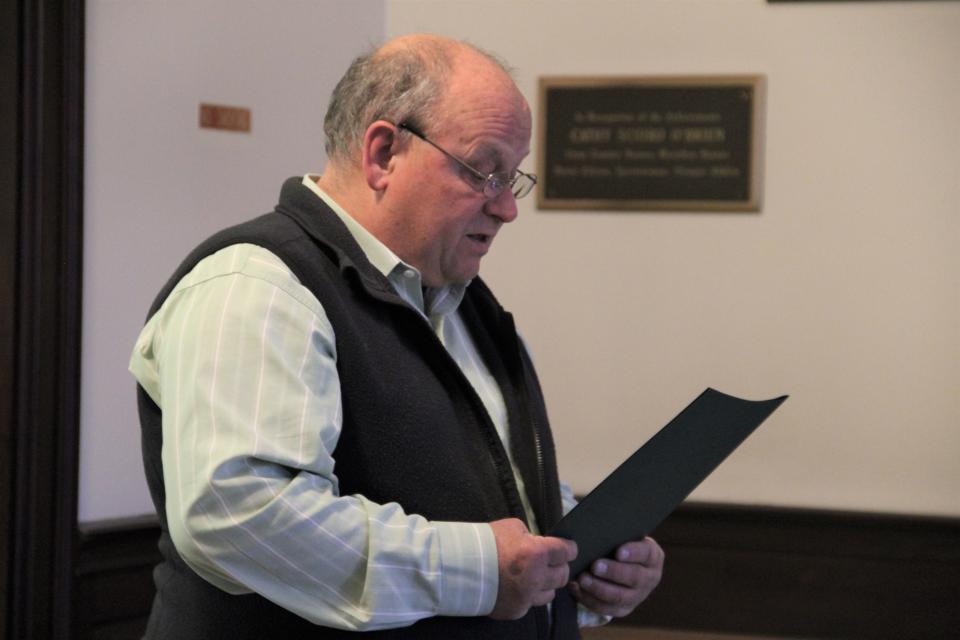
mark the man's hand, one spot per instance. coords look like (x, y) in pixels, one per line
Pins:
(616, 587)
(531, 567)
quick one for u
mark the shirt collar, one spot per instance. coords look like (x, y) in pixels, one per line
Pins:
(434, 303)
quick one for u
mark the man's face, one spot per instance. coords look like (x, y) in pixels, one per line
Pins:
(442, 224)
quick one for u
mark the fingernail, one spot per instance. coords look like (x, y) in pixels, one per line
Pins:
(623, 554)
(601, 568)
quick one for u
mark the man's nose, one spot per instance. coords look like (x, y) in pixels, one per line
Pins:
(504, 206)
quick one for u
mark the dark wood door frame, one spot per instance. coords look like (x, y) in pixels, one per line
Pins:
(41, 243)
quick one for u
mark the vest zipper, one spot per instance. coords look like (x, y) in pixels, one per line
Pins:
(538, 449)
(487, 421)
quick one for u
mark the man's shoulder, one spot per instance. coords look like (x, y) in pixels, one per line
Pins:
(248, 260)
(242, 257)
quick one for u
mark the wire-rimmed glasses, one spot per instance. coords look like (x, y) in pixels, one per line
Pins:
(491, 184)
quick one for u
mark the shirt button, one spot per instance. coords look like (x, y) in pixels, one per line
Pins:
(410, 273)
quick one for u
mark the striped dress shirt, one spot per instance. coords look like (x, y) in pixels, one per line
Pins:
(241, 359)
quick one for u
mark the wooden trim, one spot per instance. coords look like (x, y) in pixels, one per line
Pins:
(730, 569)
(9, 64)
(113, 577)
(807, 573)
(42, 389)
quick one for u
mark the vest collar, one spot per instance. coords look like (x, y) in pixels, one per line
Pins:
(321, 223)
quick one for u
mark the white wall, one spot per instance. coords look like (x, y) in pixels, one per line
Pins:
(155, 184)
(843, 292)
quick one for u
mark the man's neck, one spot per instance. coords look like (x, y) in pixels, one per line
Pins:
(347, 188)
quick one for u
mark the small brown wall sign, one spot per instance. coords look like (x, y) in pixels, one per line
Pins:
(215, 116)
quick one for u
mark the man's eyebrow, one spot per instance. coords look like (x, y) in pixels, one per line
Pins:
(488, 153)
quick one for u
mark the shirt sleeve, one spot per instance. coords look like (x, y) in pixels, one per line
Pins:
(242, 361)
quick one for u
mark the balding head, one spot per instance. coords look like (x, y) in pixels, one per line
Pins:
(402, 81)
(427, 201)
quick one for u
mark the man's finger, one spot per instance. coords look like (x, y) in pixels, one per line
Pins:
(560, 551)
(558, 576)
(622, 573)
(607, 592)
(646, 552)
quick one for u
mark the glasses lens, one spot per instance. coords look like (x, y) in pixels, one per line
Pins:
(523, 185)
(494, 185)
(520, 185)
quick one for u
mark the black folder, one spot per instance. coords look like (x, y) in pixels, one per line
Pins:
(644, 490)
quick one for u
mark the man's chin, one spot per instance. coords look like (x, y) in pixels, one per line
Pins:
(458, 282)
(460, 277)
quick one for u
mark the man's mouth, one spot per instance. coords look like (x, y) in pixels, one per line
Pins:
(481, 238)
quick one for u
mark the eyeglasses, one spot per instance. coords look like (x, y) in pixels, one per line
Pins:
(491, 184)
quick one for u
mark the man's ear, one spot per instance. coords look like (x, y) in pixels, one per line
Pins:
(380, 145)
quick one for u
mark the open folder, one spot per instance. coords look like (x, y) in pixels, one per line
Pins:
(644, 490)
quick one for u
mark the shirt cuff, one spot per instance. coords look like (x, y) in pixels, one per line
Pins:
(590, 618)
(469, 575)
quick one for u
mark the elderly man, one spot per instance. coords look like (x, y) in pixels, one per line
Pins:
(341, 429)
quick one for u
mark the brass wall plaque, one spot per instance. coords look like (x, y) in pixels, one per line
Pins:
(651, 143)
(215, 116)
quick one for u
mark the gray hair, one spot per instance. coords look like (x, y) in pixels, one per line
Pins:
(396, 84)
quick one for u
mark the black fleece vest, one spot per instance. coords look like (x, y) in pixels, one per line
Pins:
(414, 430)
